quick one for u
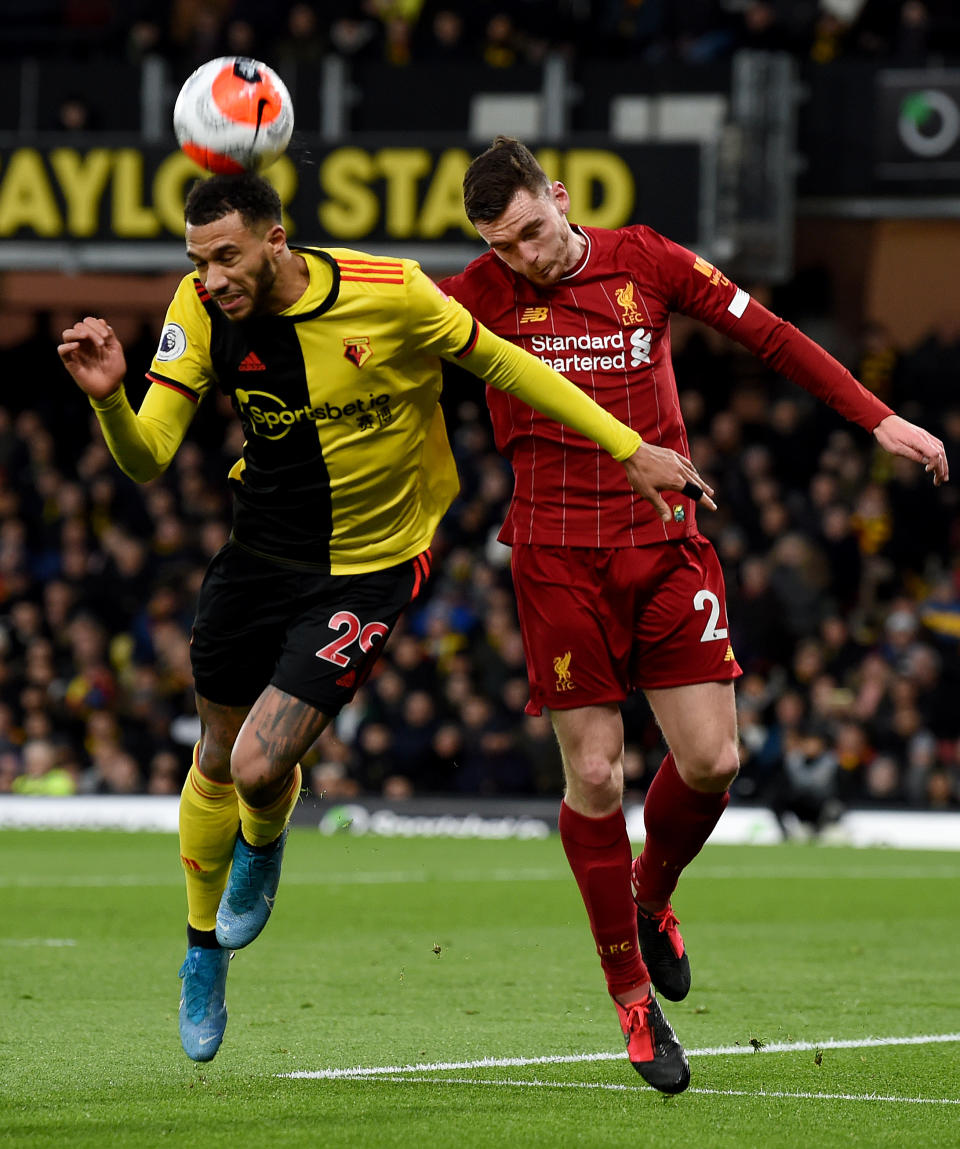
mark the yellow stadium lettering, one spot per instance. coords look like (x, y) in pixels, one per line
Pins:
(131, 218)
(352, 209)
(26, 196)
(402, 168)
(587, 168)
(81, 179)
(169, 190)
(549, 159)
(443, 205)
(282, 173)
(176, 171)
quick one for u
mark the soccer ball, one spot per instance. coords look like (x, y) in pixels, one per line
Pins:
(233, 114)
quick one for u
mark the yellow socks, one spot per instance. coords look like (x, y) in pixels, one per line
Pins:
(261, 827)
(209, 820)
(210, 815)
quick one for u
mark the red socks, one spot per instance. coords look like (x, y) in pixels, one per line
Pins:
(678, 821)
(599, 854)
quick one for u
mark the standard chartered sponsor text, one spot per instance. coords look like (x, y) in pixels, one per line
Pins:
(543, 345)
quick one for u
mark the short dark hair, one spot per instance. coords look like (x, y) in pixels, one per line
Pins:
(494, 178)
(249, 194)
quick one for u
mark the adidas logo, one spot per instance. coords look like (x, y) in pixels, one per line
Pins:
(251, 362)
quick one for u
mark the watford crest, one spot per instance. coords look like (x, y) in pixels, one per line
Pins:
(357, 349)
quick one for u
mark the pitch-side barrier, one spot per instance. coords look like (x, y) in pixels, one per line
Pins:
(481, 818)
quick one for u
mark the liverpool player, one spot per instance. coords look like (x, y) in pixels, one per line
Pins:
(330, 359)
(616, 592)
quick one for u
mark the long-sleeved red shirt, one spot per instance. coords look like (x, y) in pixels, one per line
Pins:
(606, 327)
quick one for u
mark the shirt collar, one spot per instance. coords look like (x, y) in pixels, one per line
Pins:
(585, 256)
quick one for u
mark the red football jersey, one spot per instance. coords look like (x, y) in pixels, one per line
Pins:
(606, 326)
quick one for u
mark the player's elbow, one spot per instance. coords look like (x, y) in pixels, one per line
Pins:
(143, 470)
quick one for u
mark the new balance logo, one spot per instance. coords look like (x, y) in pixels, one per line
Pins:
(533, 315)
(251, 362)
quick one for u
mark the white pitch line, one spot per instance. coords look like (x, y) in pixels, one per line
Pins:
(441, 1066)
(832, 1043)
(360, 1071)
(825, 1096)
(536, 1083)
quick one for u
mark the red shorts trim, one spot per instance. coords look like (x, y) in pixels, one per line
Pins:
(600, 624)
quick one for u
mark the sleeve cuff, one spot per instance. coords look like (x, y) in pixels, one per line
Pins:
(631, 444)
(112, 400)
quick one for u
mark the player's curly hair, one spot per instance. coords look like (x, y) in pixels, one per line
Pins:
(249, 194)
(494, 177)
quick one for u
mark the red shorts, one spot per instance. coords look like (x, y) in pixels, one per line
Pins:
(599, 624)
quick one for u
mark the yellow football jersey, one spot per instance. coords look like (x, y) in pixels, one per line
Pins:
(346, 464)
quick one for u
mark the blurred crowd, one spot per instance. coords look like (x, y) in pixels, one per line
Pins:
(501, 33)
(843, 585)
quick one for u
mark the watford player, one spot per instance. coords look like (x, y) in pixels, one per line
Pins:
(617, 593)
(331, 359)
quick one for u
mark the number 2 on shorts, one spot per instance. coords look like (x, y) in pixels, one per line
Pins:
(347, 622)
(711, 632)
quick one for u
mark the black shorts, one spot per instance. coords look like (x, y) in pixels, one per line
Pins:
(315, 636)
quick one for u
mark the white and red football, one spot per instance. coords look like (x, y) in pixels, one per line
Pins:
(233, 114)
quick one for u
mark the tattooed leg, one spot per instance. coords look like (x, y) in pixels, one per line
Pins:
(267, 777)
(219, 727)
(277, 732)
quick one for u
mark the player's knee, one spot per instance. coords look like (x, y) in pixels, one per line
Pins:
(595, 782)
(723, 769)
(728, 766)
(213, 760)
(249, 772)
(713, 773)
(259, 780)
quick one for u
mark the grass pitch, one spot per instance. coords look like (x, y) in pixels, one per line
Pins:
(456, 980)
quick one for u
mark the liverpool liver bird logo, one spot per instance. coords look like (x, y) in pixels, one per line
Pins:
(561, 668)
(631, 312)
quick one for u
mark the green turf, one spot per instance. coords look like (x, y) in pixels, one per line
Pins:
(788, 944)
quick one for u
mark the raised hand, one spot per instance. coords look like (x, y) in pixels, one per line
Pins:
(899, 437)
(651, 469)
(93, 355)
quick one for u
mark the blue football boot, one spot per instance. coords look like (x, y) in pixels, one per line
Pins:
(247, 901)
(203, 1012)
